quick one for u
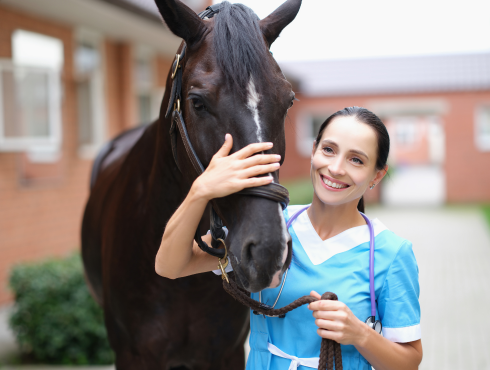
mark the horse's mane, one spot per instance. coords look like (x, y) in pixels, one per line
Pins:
(241, 51)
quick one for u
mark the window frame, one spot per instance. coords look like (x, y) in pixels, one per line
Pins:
(306, 136)
(482, 112)
(97, 92)
(51, 143)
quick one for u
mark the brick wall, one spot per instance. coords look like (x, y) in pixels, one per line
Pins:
(41, 205)
(467, 169)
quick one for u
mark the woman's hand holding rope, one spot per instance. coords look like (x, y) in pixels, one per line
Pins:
(337, 322)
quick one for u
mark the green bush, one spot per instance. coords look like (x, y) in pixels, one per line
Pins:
(300, 191)
(486, 212)
(55, 319)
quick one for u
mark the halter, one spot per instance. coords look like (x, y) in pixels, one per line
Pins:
(272, 191)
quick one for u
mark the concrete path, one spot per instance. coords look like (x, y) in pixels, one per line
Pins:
(452, 247)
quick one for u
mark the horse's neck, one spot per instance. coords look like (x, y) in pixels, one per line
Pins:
(166, 187)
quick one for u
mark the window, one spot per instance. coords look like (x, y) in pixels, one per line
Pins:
(482, 128)
(30, 96)
(309, 125)
(90, 93)
(406, 130)
(148, 96)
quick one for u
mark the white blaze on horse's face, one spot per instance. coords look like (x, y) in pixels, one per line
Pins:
(276, 279)
(253, 105)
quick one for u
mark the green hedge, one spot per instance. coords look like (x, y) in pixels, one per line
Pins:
(486, 213)
(300, 191)
(55, 319)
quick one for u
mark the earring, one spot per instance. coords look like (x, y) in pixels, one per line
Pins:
(372, 186)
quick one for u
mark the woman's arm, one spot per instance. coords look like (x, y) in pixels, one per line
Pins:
(337, 322)
(178, 254)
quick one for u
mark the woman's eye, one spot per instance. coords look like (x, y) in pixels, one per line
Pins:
(291, 104)
(357, 160)
(328, 150)
(198, 104)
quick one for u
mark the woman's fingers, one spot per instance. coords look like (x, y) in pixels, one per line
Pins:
(257, 181)
(315, 294)
(225, 148)
(329, 315)
(260, 159)
(329, 325)
(252, 149)
(325, 305)
(260, 170)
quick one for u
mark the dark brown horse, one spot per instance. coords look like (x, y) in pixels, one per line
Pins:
(231, 84)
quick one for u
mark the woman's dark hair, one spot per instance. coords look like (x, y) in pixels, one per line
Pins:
(369, 118)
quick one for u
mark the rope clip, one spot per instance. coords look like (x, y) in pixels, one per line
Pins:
(222, 265)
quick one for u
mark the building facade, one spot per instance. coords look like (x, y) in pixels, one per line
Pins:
(73, 74)
(436, 109)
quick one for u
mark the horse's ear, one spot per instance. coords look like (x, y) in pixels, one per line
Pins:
(181, 20)
(275, 22)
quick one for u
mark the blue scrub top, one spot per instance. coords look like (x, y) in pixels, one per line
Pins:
(340, 265)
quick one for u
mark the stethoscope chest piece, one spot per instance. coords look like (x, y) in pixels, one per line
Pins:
(374, 324)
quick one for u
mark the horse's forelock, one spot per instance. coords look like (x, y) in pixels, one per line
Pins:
(240, 49)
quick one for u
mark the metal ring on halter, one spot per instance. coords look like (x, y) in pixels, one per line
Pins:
(223, 265)
(177, 66)
(177, 103)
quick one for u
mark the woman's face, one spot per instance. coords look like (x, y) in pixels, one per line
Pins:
(343, 163)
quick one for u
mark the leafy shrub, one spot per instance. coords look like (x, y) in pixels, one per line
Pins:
(55, 319)
(300, 191)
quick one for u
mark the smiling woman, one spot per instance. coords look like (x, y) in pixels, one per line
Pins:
(331, 245)
(361, 123)
(331, 251)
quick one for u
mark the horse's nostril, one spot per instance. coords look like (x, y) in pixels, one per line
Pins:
(248, 251)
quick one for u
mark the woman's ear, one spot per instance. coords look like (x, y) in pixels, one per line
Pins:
(380, 174)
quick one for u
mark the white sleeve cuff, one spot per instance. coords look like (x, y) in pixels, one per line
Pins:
(227, 268)
(403, 335)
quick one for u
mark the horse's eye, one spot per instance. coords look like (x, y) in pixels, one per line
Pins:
(198, 104)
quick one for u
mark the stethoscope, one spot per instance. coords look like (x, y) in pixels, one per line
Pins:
(371, 320)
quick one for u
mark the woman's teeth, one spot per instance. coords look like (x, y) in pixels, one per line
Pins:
(333, 184)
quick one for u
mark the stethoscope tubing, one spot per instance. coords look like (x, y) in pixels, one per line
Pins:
(371, 264)
(371, 254)
(371, 320)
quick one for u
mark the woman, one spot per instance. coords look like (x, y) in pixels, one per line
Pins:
(330, 253)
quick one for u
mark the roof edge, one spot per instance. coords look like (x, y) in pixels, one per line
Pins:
(135, 10)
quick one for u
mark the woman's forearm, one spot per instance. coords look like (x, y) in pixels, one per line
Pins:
(176, 252)
(226, 174)
(384, 354)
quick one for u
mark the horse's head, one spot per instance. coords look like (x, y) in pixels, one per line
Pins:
(232, 84)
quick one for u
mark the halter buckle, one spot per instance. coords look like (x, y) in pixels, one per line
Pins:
(177, 66)
(177, 105)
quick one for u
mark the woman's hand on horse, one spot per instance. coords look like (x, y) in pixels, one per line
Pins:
(228, 174)
(337, 322)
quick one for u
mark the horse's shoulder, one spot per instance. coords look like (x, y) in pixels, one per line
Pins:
(115, 150)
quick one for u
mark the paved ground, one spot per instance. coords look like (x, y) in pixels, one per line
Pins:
(452, 247)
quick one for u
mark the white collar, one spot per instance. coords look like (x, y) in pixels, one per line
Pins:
(319, 250)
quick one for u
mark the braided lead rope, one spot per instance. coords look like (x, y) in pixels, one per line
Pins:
(329, 350)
